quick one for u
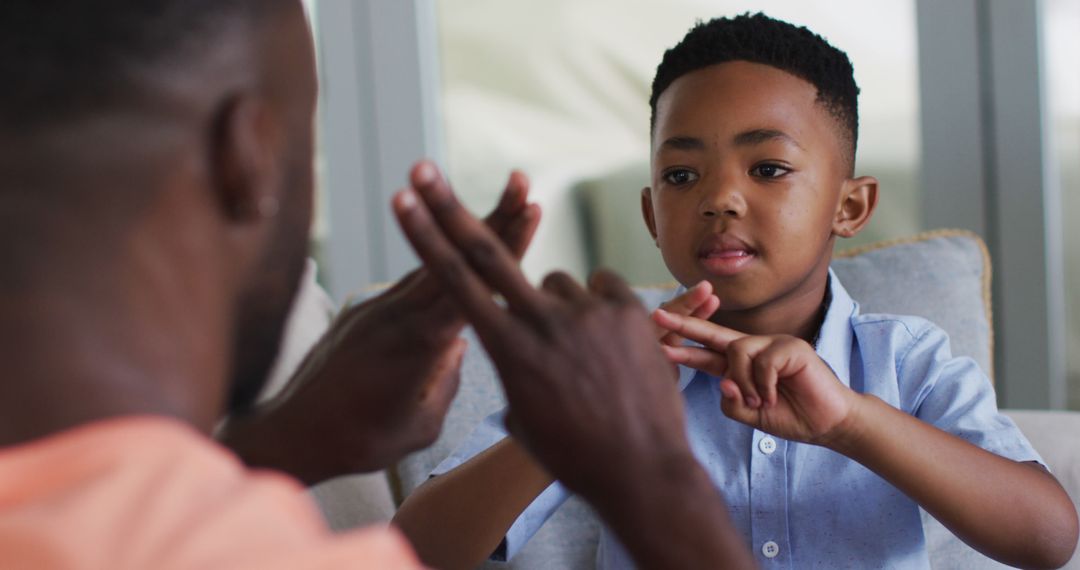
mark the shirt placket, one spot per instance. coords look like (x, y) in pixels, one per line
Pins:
(769, 501)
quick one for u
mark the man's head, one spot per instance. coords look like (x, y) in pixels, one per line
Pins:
(163, 146)
(753, 139)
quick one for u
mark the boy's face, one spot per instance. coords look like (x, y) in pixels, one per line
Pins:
(749, 185)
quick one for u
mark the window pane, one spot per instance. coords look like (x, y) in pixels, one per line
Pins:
(1061, 44)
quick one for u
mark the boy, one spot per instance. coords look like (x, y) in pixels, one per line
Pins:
(836, 426)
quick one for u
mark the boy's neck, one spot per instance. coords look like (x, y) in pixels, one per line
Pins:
(800, 316)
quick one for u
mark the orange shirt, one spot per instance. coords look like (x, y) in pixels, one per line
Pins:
(153, 493)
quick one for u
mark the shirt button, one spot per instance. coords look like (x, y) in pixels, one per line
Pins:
(770, 549)
(767, 445)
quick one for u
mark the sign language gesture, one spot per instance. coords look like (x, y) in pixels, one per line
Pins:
(379, 383)
(588, 387)
(555, 347)
(777, 383)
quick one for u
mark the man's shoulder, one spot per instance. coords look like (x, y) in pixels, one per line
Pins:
(150, 492)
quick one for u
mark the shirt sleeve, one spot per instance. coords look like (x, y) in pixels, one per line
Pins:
(488, 433)
(956, 396)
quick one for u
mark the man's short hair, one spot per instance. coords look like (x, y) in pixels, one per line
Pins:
(760, 39)
(65, 59)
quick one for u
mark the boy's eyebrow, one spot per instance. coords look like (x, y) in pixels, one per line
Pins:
(758, 136)
(683, 143)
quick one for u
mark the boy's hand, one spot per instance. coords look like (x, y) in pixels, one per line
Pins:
(777, 384)
(697, 301)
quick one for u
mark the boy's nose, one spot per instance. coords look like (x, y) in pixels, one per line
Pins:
(723, 200)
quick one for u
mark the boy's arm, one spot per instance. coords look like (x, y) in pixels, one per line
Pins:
(456, 520)
(1014, 512)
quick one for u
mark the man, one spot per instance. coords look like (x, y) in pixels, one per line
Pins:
(156, 161)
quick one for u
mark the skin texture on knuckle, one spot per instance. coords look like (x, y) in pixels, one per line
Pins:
(451, 271)
(482, 253)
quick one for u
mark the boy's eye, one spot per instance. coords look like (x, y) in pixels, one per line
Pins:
(769, 171)
(679, 177)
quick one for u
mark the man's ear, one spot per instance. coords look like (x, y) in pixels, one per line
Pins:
(246, 156)
(858, 199)
(648, 214)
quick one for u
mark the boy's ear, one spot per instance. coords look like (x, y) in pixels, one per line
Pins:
(858, 199)
(647, 212)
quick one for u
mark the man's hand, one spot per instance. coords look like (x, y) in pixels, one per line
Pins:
(777, 384)
(378, 384)
(588, 387)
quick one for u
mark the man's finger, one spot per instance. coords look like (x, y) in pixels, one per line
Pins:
(445, 378)
(610, 286)
(490, 261)
(564, 287)
(518, 234)
(709, 334)
(512, 201)
(446, 263)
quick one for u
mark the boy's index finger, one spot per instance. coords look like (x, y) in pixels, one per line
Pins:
(488, 259)
(690, 300)
(707, 333)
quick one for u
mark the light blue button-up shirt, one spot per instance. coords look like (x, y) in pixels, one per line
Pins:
(804, 506)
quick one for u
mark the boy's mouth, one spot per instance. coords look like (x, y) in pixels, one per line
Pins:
(725, 255)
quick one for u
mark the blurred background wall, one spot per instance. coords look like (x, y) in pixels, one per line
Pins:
(970, 117)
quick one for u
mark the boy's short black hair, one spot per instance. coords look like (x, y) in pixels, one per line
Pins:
(758, 38)
(71, 58)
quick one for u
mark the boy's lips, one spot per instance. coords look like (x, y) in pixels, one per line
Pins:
(724, 255)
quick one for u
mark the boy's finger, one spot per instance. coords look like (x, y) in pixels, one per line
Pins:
(689, 300)
(733, 404)
(490, 261)
(709, 334)
(706, 310)
(740, 370)
(710, 362)
(448, 265)
(765, 378)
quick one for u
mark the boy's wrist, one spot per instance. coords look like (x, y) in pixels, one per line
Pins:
(849, 434)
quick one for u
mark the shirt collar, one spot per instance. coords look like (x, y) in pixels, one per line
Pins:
(834, 339)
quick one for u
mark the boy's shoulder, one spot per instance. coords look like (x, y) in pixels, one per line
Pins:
(651, 296)
(911, 345)
(909, 327)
